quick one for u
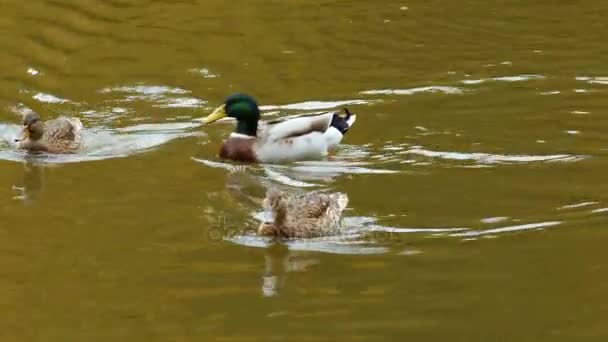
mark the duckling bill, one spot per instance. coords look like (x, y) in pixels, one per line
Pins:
(306, 215)
(59, 136)
(306, 137)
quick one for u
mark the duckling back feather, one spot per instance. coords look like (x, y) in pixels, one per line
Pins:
(310, 214)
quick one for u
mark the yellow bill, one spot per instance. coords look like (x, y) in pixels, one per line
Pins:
(218, 113)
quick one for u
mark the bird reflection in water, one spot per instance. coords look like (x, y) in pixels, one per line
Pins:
(247, 189)
(31, 187)
(279, 261)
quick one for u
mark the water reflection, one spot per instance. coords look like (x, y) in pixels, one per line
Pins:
(364, 235)
(311, 173)
(31, 187)
(279, 261)
(245, 187)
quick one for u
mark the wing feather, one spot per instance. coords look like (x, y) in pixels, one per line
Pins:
(309, 205)
(63, 129)
(298, 127)
(63, 135)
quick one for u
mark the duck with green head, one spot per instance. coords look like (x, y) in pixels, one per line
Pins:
(306, 137)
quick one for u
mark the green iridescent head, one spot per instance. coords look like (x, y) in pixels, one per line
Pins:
(243, 108)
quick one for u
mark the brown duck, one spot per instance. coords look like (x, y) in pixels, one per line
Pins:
(60, 136)
(306, 215)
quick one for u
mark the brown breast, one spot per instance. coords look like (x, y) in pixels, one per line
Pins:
(239, 149)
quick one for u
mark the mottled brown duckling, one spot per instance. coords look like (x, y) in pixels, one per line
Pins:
(61, 136)
(306, 215)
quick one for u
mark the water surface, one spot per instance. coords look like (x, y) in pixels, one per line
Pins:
(475, 172)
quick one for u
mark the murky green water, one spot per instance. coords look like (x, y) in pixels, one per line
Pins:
(476, 171)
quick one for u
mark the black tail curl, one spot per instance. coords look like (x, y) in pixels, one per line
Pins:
(340, 121)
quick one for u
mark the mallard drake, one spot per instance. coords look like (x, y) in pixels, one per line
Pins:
(306, 215)
(306, 137)
(61, 136)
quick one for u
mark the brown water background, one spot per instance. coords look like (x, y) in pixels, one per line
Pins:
(476, 171)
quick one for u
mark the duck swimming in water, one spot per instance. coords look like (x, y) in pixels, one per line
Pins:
(306, 137)
(59, 136)
(306, 215)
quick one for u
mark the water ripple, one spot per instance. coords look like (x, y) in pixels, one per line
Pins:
(33, 71)
(324, 245)
(576, 205)
(221, 165)
(145, 90)
(416, 230)
(48, 98)
(593, 80)
(161, 96)
(302, 174)
(284, 179)
(350, 239)
(508, 229)
(412, 91)
(514, 78)
(206, 73)
(488, 158)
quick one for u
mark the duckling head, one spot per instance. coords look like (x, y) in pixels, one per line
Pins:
(243, 108)
(267, 229)
(274, 201)
(33, 127)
